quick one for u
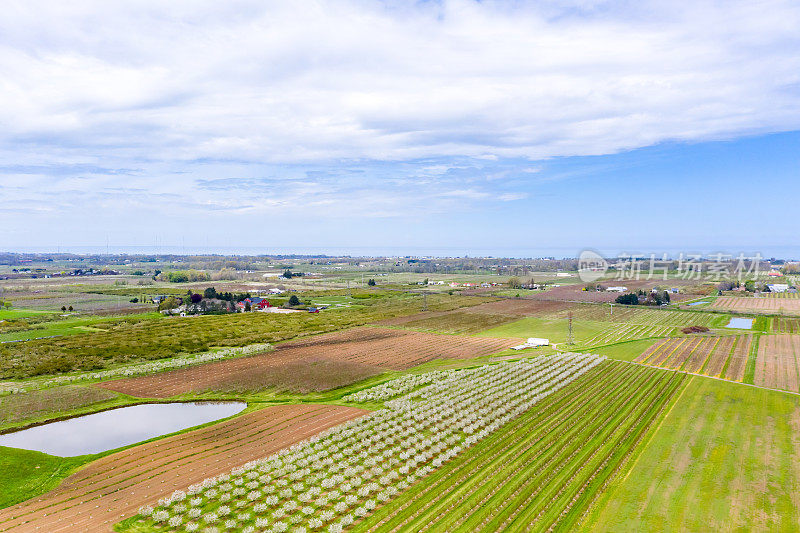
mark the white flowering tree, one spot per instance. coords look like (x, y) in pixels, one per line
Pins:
(329, 481)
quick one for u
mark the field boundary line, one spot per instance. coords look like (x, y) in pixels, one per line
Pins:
(711, 377)
(654, 430)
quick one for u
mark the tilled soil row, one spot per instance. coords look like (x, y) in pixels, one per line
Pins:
(519, 307)
(774, 305)
(378, 347)
(701, 353)
(741, 352)
(777, 362)
(720, 356)
(114, 487)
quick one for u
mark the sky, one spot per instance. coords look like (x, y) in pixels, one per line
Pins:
(434, 127)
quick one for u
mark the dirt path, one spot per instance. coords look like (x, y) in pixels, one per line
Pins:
(114, 487)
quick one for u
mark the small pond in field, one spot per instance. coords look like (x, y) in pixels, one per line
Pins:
(111, 429)
(699, 303)
(740, 323)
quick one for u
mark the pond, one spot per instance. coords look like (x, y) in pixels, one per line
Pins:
(111, 429)
(699, 303)
(740, 323)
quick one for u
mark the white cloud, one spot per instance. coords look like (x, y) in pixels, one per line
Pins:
(116, 115)
(309, 81)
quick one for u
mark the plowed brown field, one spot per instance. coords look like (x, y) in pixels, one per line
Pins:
(519, 307)
(777, 362)
(785, 325)
(114, 487)
(707, 355)
(738, 361)
(459, 322)
(758, 305)
(377, 347)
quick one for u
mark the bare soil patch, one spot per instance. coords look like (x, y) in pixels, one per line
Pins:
(460, 322)
(785, 325)
(373, 348)
(738, 363)
(313, 375)
(520, 307)
(777, 362)
(705, 355)
(744, 304)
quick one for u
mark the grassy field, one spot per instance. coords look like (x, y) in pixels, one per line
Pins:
(725, 458)
(646, 316)
(71, 326)
(25, 474)
(554, 329)
(586, 333)
(6, 314)
(623, 351)
(541, 470)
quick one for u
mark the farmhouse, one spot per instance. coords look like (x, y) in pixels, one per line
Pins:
(255, 302)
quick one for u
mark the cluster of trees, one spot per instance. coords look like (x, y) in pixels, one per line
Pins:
(212, 294)
(4, 304)
(517, 283)
(288, 274)
(644, 298)
(183, 276)
(728, 285)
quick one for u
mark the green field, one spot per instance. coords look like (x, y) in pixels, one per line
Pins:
(541, 470)
(623, 351)
(554, 329)
(586, 333)
(646, 316)
(25, 474)
(6, 314)
(70, 326)
(725, 458)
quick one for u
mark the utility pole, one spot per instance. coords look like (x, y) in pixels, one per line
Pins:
(570, 339)
(348, 288)
(612, 309)
(425, 301)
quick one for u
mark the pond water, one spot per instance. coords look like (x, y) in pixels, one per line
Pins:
(740, 323)
(111, 429)
(699, 303)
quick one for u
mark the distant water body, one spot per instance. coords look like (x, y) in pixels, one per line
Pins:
(523, 251)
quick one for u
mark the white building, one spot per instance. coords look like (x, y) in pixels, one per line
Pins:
(532, 342)
(778, 287)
